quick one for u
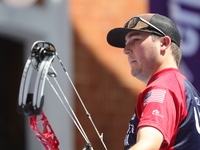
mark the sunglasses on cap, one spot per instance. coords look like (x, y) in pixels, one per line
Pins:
(140, 23)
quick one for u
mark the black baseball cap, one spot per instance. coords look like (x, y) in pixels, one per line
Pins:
(152, 23)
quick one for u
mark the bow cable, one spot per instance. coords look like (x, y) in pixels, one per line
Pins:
(81, 101)
(72, 114)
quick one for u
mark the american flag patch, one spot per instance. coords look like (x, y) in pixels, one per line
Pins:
(156, 95)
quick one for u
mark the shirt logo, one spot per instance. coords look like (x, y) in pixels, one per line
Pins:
(156, 95)
(156, 113)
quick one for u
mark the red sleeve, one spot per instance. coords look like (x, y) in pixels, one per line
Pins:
(158, 110)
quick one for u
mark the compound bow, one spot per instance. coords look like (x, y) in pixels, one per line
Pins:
(31, 104)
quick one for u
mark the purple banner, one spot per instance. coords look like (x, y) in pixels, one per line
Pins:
(186, 15)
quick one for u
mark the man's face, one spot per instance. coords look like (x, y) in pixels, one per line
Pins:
(143, 54)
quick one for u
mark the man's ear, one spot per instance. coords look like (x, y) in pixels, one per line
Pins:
(165, 42)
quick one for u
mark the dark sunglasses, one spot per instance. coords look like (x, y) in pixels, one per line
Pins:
(140, 23)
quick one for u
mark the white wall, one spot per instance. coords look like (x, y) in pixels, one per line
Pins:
(48, 23)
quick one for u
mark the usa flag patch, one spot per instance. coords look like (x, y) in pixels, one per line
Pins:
(156, 95)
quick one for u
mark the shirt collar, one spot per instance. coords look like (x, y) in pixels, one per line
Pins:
(161, 72)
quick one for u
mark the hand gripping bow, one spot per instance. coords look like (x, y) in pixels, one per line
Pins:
(31, 103)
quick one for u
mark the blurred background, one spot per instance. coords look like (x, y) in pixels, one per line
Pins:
(101, 73)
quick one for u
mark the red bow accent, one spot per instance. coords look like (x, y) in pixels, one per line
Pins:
(47, 136)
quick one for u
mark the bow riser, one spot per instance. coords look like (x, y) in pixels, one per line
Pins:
(47, 136)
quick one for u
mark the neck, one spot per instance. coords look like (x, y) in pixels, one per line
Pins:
(167, 63)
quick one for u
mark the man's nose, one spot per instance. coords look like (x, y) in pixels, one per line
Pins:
(127, 50)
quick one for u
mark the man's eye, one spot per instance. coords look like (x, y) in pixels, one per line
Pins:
(135, 40)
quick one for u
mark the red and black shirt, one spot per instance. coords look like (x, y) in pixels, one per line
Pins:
(170, 104)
